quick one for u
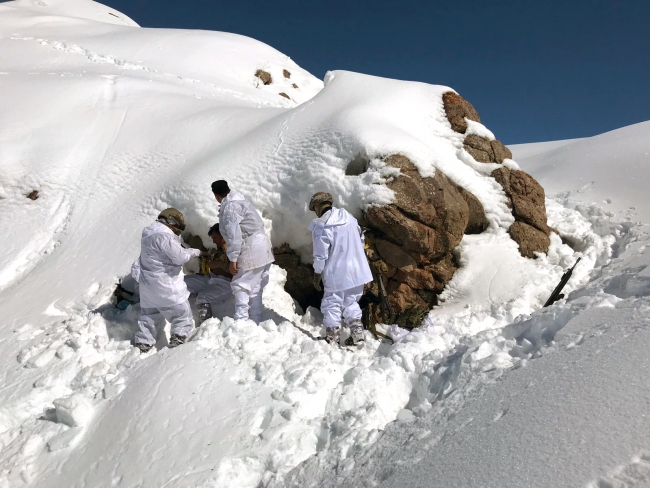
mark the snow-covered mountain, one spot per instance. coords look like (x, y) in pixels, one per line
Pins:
(111, 123)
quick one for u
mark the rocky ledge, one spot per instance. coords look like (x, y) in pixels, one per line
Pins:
(411, 241)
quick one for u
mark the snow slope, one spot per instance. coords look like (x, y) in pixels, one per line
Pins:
(610, 169)
(572, 408)
(112, 123)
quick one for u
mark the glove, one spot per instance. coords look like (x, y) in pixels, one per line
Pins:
(317, 279)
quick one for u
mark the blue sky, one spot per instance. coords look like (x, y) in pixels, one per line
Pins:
(535, 71)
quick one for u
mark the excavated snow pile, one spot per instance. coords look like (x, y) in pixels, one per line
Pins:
(111, 123)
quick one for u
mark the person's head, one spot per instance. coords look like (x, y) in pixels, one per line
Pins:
(220, 189)
(320, 203)
(173, 219)
(216, 236)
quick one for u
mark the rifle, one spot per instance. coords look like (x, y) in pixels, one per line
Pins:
(384, 305)
(557, 293)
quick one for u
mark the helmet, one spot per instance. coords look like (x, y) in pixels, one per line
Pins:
(320, 198)
(172, 217)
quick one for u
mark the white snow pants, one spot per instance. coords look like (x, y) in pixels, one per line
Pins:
(209, 289)
(152, 319)
(341, 303)
(247, 287)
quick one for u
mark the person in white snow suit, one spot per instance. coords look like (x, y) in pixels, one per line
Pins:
(213, 285)
(249, 250)
(163, 293)
(340, 262)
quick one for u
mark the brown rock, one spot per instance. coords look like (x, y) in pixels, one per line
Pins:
(477, 222)
(294, 85)
(457, 108)
(264, 76)
(282, 94)
(529, 238)
(480, 148)
(286, 73)
(436, 202)
(33, 195)
(501, 152)
(394, 255)
(300, 277)
(411, 235)
(527, 197)
(402, 297)
(442, 271)
(418, 279)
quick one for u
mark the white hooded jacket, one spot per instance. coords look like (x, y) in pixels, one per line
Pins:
(243, 229)
(339, 251)
(159, 269)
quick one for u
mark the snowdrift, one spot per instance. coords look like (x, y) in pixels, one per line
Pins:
(111, 123)
(571, 409)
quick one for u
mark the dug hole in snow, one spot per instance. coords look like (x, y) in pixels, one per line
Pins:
(112, 123)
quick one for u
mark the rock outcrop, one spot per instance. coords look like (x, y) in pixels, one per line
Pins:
(526, 196)
(300, 277)
(411, 241)
(264, 76)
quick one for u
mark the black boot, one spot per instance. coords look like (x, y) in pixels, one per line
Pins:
(176, 340)
(143, 347)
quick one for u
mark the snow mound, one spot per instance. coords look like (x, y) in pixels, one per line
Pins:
(609, 169)
(71, 12)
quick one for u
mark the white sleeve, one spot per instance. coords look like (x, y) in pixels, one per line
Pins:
(231, 230)
(176, 253)
(322, 244)
(135, 270)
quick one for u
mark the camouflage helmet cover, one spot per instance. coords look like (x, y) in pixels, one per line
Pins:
(173, 217)
(320, 198)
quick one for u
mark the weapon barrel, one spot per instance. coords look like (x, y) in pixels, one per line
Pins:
(557, 292)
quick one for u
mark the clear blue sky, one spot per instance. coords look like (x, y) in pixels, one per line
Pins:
(534, 70)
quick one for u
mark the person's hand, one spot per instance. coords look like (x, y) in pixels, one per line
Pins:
(233, 268)
(317, 279)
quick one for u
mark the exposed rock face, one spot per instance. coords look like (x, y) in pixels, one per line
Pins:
(300, 277)
(286, 73)
(486, 151)
(530, 229)
(525, 194)
(415, 237)
(264, 76)
(282, 94)
(411, 241)
(457, 109)
(529, 238)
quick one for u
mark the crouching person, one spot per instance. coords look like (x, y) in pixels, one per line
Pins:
(249, 250)
(163, 294)
(340, 261)
(213, 284)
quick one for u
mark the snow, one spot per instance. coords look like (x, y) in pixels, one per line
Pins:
(112, 123)
(609, 169)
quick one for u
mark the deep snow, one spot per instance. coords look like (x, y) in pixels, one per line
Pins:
(111, 123)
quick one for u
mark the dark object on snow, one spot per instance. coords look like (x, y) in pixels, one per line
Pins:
(144, 348)
(123, 297)
(557, 293)
(33, 195)
(282, 94)
(264, 76)
(385, 307)
(175, 340)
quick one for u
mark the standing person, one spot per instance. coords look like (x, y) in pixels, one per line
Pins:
(163, 294)
(341, 263)
(213, 285)
(249, 250)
